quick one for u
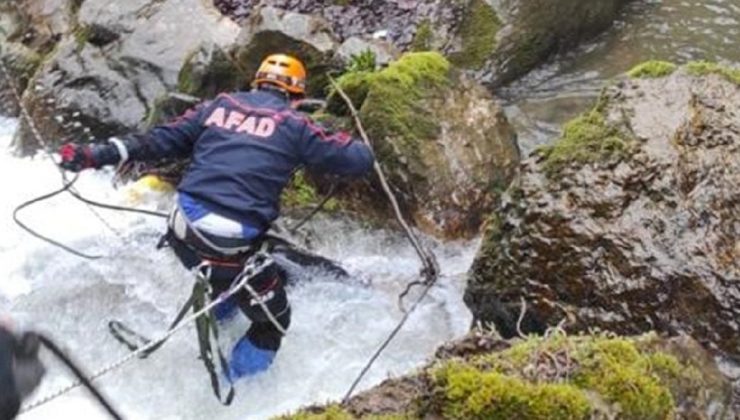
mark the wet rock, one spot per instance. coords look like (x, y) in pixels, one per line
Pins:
(38, 24)
(211, 70)
(556, 377)
(20, 63)
(445, 145)
(630, 222)
(530, 32)
(105, 75)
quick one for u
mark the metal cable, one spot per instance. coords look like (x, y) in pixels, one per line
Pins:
(428, 260)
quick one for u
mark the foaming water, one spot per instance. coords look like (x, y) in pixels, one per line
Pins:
(673, 30)
(336, 325)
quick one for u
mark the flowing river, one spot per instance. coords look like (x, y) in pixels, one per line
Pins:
(337, 324)
(336, 327)
(672, 30)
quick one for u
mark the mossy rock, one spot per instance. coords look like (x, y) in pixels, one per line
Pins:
(703, 68)
(594, 376)
(437, 135)
(652, 69)
(575, 378)
(587, 139)
(477, 36)
(389, 101)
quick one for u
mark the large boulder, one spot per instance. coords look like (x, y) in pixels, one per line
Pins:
(527, 32)
(104, 76)
(558, 377)
(444, 143)
(630, 221)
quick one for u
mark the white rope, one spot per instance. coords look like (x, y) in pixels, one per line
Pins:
(248, 273)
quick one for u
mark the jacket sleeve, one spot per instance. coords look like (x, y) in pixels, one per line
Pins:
(174, 139)
(334, 153)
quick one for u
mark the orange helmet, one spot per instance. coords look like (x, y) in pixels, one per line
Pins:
(284, 71)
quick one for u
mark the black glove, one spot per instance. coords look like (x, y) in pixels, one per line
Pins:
(76, 157)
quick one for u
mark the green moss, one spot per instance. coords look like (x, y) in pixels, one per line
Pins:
(390, 102)
(299, 193)
(637, 383)
(185, 82)
(622, 376)
(423, 37)
(652, 69)
(470, 393)
(702, 68)
(362, 62)
(478, 35)
(82, 35)
(334, 412)
(585, 139)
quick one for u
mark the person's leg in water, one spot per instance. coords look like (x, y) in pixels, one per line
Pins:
(256, 350)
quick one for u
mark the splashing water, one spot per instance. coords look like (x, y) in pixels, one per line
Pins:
(336, 325)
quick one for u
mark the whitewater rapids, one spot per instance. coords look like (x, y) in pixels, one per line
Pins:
(336, 325)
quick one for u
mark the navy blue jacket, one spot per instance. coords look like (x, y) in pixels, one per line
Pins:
(245, 147)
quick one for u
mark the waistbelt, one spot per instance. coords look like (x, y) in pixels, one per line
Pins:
(205, 243)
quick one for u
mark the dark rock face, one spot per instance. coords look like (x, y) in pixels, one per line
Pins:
(535, 29)
(646, 238)
(105, 74)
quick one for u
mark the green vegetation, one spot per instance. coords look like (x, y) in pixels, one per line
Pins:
(552, 377)
(585, 139)
(470, 393)
(390, 100)
(82, 35)
(185, 82)
(478, 34)
(556, 377)
(652, 69)
(423, 37)
(300, 193)
(364, 61)
(702, 68)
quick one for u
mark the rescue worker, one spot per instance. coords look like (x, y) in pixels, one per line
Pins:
(244, 147)
(20, 370)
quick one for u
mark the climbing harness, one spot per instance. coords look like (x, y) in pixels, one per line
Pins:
(430, 272)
